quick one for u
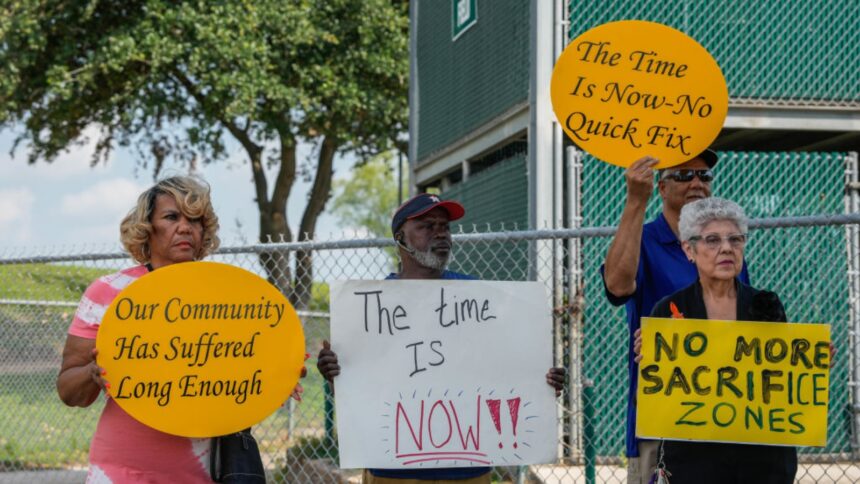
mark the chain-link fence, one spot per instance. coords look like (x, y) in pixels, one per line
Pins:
(772, 53)
(42, 440)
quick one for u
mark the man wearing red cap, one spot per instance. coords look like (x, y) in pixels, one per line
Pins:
(421, 229)
(422, 233)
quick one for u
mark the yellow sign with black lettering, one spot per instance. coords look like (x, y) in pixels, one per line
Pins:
(626, 89)
(200, 349)
(734, 381)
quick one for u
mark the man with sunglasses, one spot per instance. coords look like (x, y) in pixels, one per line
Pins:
(645, 263)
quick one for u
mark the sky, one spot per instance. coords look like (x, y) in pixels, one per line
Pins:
(68, 204)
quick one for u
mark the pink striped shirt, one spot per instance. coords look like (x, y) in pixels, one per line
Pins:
(124, 450)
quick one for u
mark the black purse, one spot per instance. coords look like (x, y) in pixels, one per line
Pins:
(235, 459)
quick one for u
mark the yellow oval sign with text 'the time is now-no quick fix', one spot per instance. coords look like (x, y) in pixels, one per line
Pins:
(627, 89)
(200, 349)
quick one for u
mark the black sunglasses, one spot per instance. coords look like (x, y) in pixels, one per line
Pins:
(687, 175)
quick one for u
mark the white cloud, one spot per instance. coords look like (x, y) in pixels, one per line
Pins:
(75, 161)
(107, 198)
(102, 237)
(16, 206)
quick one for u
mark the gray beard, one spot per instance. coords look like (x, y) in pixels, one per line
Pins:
(430, 260)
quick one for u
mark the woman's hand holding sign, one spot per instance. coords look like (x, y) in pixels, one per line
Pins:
(637, 345)
(98, 373)
(299, 389)
(81, 378)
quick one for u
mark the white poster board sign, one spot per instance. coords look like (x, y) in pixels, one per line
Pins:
(443, 373)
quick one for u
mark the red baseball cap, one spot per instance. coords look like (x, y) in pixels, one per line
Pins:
(421, 204)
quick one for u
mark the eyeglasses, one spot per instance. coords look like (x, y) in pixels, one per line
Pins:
(687, 175)
(714, 241)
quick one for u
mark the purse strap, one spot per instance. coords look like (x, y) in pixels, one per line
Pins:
(215, 459)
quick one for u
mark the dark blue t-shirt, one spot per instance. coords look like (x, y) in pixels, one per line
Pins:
(663, 270)
(445, 275)
(442, 473)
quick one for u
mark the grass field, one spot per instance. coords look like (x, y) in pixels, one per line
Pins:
(38, 431)
(46, 282)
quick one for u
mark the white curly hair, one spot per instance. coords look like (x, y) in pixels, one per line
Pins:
(695, 215)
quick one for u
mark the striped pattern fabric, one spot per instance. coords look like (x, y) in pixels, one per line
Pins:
(98, 297)
(123, 450)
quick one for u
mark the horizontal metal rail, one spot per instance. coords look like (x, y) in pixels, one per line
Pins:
(511, 236)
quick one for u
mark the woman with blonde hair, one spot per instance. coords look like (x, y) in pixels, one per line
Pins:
(173, 222)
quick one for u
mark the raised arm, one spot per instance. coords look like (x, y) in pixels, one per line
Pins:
(622, 258)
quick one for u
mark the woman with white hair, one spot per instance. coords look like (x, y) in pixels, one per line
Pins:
(713, 234)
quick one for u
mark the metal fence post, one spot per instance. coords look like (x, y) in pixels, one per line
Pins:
(575, 299)
(329, 415)
(588, 429)
(852, 234)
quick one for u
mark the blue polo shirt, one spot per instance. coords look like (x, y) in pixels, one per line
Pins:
(442, 473)
(663, 270)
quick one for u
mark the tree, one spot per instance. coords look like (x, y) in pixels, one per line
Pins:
(176, 79)
(368, 198)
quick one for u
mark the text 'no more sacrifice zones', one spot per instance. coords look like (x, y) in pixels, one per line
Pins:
(734, 381)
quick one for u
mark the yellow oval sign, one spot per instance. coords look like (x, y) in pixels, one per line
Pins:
(200, 349)
(627, 89)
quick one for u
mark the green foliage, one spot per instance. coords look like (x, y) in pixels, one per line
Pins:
(369, 197)
(176, 76)
(314, 448)
(177, 80)
(319, 297)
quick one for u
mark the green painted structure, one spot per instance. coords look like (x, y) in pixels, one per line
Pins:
(805, 266)
(773, 55)
(469, 81)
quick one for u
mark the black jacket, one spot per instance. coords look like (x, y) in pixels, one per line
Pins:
(753, 304)
(720, 463)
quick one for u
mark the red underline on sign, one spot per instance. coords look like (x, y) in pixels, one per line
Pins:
(447, 458)
(421, 454)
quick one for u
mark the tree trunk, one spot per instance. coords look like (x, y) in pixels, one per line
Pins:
(274, 226)
(320, 193)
